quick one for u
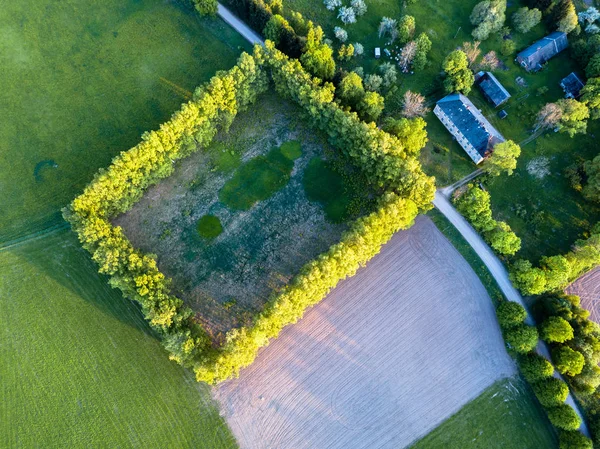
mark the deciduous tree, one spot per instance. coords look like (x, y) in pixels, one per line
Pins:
(556, 330)
(503, 158)
(525, 19)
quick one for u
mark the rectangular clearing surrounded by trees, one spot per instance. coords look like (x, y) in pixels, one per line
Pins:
(383, 360)
(276, 196)
(383, 164)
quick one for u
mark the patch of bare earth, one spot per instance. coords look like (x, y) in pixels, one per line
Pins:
(228, 279)
(587, 287)
(383, 360)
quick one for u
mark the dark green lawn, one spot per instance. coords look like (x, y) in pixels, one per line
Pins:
(506, 416)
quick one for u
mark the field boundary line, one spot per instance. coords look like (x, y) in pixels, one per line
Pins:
(33, 236)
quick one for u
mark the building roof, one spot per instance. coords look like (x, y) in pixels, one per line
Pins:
(470, 122)
(492, 89)
(537, 54)
(572, 85)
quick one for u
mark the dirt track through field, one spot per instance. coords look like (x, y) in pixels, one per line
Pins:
(384, 359)
(587, 287)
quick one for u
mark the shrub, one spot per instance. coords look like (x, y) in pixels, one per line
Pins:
(206, 7)
(359, 6)
(556, 330)
(359, 49)
(406, 28)
(551, 391)
(564, 417)
(275, 28)
(574, 440)
(508, 47)
(521, 338)
(510, 314)
(340, 34)
(535, 367)
(568, 361)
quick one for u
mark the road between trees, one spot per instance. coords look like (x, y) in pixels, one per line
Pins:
(239, 26)
(496, 268)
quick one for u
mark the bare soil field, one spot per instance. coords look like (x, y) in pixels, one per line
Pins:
(587, 287)
(383, 360)
(228, 278)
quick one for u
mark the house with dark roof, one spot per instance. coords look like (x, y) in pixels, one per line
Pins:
(536, 55)
(491, 88)
(467, 124)
(572, 85)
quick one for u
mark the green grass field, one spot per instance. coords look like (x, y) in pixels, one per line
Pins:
(80, 367)
(80, 82)
(506, 416)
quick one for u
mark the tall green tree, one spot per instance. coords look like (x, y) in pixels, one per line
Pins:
(567, 360)
(591, 190)
(503, 158)
(556, 330)
(318, 57)
(574, 117)
(488, 17)
(206, 7)
(459, 77)
(590, 96)
(525, 19)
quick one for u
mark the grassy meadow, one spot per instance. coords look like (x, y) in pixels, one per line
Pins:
(80, 82)
(81, 368)
(506, 416)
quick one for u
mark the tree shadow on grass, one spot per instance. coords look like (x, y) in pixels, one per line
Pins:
(60, 257)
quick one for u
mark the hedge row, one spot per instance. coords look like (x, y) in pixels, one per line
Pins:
(556, 272)
(475, 204)
(551, 392)
(213, 108)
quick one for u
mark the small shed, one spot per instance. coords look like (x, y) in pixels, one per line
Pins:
(492, 89)
(572, 85)
(377, 52)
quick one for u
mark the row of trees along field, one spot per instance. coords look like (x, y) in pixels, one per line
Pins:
(474, 204)
(551, 391)
(389, 164)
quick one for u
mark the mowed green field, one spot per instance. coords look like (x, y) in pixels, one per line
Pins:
(504, 416)
(80, 82)
(80, 368)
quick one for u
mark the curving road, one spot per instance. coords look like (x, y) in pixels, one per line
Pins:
(498, 271)
(239, 26)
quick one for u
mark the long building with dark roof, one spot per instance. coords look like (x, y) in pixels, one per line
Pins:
(492, 89)
(536, 55)
(467, 124)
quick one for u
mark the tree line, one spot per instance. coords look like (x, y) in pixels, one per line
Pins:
(555, 272)
(389, 164)
(550, 391)
(474, 204)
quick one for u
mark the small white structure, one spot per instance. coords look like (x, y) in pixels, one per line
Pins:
(377, 52)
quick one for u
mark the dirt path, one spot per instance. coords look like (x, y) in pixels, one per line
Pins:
(239, 26)
(384, 359)
(498, 271)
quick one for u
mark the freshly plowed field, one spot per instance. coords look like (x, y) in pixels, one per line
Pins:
(587, 287)
(383, 360)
